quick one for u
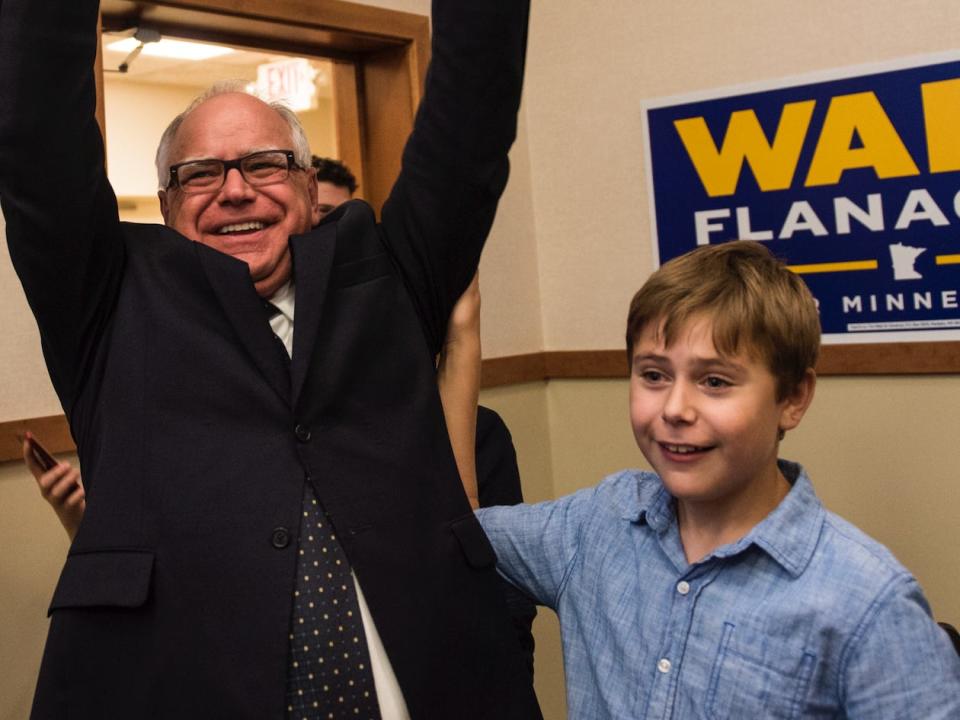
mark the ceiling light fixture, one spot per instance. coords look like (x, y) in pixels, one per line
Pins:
(175, 49)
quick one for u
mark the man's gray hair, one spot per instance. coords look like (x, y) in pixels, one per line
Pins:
(301, 147)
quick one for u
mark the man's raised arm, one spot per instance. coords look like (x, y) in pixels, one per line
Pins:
(60, 212)
(455, 164)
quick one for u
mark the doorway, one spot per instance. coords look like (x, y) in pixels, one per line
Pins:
(371, 62)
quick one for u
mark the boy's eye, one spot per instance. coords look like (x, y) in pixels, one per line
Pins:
(715, 383)
(652, 376)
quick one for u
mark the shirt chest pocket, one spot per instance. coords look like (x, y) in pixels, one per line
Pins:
(758, 676)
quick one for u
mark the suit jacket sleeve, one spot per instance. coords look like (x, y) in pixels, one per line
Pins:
(60, 212)
(455, 166)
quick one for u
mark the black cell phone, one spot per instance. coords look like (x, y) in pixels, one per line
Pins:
(43, 457)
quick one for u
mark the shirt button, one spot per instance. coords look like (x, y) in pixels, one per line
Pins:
(302, 432)
(280, 538)
(683, 587)
(664, 665)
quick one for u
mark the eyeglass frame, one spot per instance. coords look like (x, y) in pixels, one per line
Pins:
(228, 165)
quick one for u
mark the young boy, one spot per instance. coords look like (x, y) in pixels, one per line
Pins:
(719, 587)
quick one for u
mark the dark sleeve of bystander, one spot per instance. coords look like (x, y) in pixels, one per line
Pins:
(498, 482)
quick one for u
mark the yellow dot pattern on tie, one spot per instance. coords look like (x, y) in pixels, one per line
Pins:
(328, 674)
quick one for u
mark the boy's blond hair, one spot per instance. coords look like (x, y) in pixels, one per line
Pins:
(758, 307)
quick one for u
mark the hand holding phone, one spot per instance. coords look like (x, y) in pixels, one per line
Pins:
(59, 483)
(38, 452)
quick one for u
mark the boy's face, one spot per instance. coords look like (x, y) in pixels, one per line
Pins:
(709, 424)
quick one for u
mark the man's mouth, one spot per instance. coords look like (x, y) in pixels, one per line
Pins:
(243, 227)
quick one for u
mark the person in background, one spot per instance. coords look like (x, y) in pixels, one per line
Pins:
(335, 183)
(498, 483)
(718, 586)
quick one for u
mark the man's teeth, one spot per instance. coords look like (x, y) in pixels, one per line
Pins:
(682, 449)
(241, 227)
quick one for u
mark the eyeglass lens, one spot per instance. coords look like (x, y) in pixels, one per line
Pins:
(262, 168)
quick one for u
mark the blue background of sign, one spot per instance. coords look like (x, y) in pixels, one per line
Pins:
(678, 193)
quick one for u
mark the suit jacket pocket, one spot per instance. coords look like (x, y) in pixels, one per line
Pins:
(473, 541)
(356, 272)
(108, 578)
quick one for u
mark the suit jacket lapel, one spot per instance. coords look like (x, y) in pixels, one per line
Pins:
(230, 280)
(312, 260)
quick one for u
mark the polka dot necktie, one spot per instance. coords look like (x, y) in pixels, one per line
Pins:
(329, 675)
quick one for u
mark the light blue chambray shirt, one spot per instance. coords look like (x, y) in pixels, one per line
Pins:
(805, 617)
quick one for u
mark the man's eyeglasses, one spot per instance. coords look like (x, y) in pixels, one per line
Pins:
(260, 168)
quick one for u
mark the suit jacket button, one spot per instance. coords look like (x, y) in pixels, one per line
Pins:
(302, 432)
(280, 538)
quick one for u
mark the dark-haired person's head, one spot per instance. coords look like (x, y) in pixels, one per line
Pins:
(335, 183)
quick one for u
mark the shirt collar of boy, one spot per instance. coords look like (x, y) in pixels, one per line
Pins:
(789, 534)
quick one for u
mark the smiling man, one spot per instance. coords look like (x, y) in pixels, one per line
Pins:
(274, 522)
(251, 211)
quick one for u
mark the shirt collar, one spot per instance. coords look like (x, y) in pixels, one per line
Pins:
(789, 534)
(283, 299)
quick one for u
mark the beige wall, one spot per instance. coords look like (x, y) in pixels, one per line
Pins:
(32, 550)
(570, 245)
(881, 451)
(134, 134)
(591, 65)
(25, 389)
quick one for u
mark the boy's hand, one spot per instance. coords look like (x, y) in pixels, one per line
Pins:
(62, 487)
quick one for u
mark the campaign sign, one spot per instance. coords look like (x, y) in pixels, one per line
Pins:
(852, 177)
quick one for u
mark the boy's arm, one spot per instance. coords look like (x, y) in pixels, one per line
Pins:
(900, 663)
(537, 545)
(458, 375)
(62, 488)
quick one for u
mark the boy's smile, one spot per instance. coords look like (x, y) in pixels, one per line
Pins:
(709, 424)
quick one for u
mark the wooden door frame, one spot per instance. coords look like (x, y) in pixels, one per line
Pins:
(380, 62)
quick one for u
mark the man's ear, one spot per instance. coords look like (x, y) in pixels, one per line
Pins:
(312, 193)
(164, 206)
(797, 402)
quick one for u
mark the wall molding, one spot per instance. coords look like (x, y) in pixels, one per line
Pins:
(880, 359)
(52, 430)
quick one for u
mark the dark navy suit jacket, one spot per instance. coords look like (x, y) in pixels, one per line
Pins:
(195, 436)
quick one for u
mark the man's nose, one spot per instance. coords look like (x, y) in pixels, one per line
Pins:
(235, 187)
